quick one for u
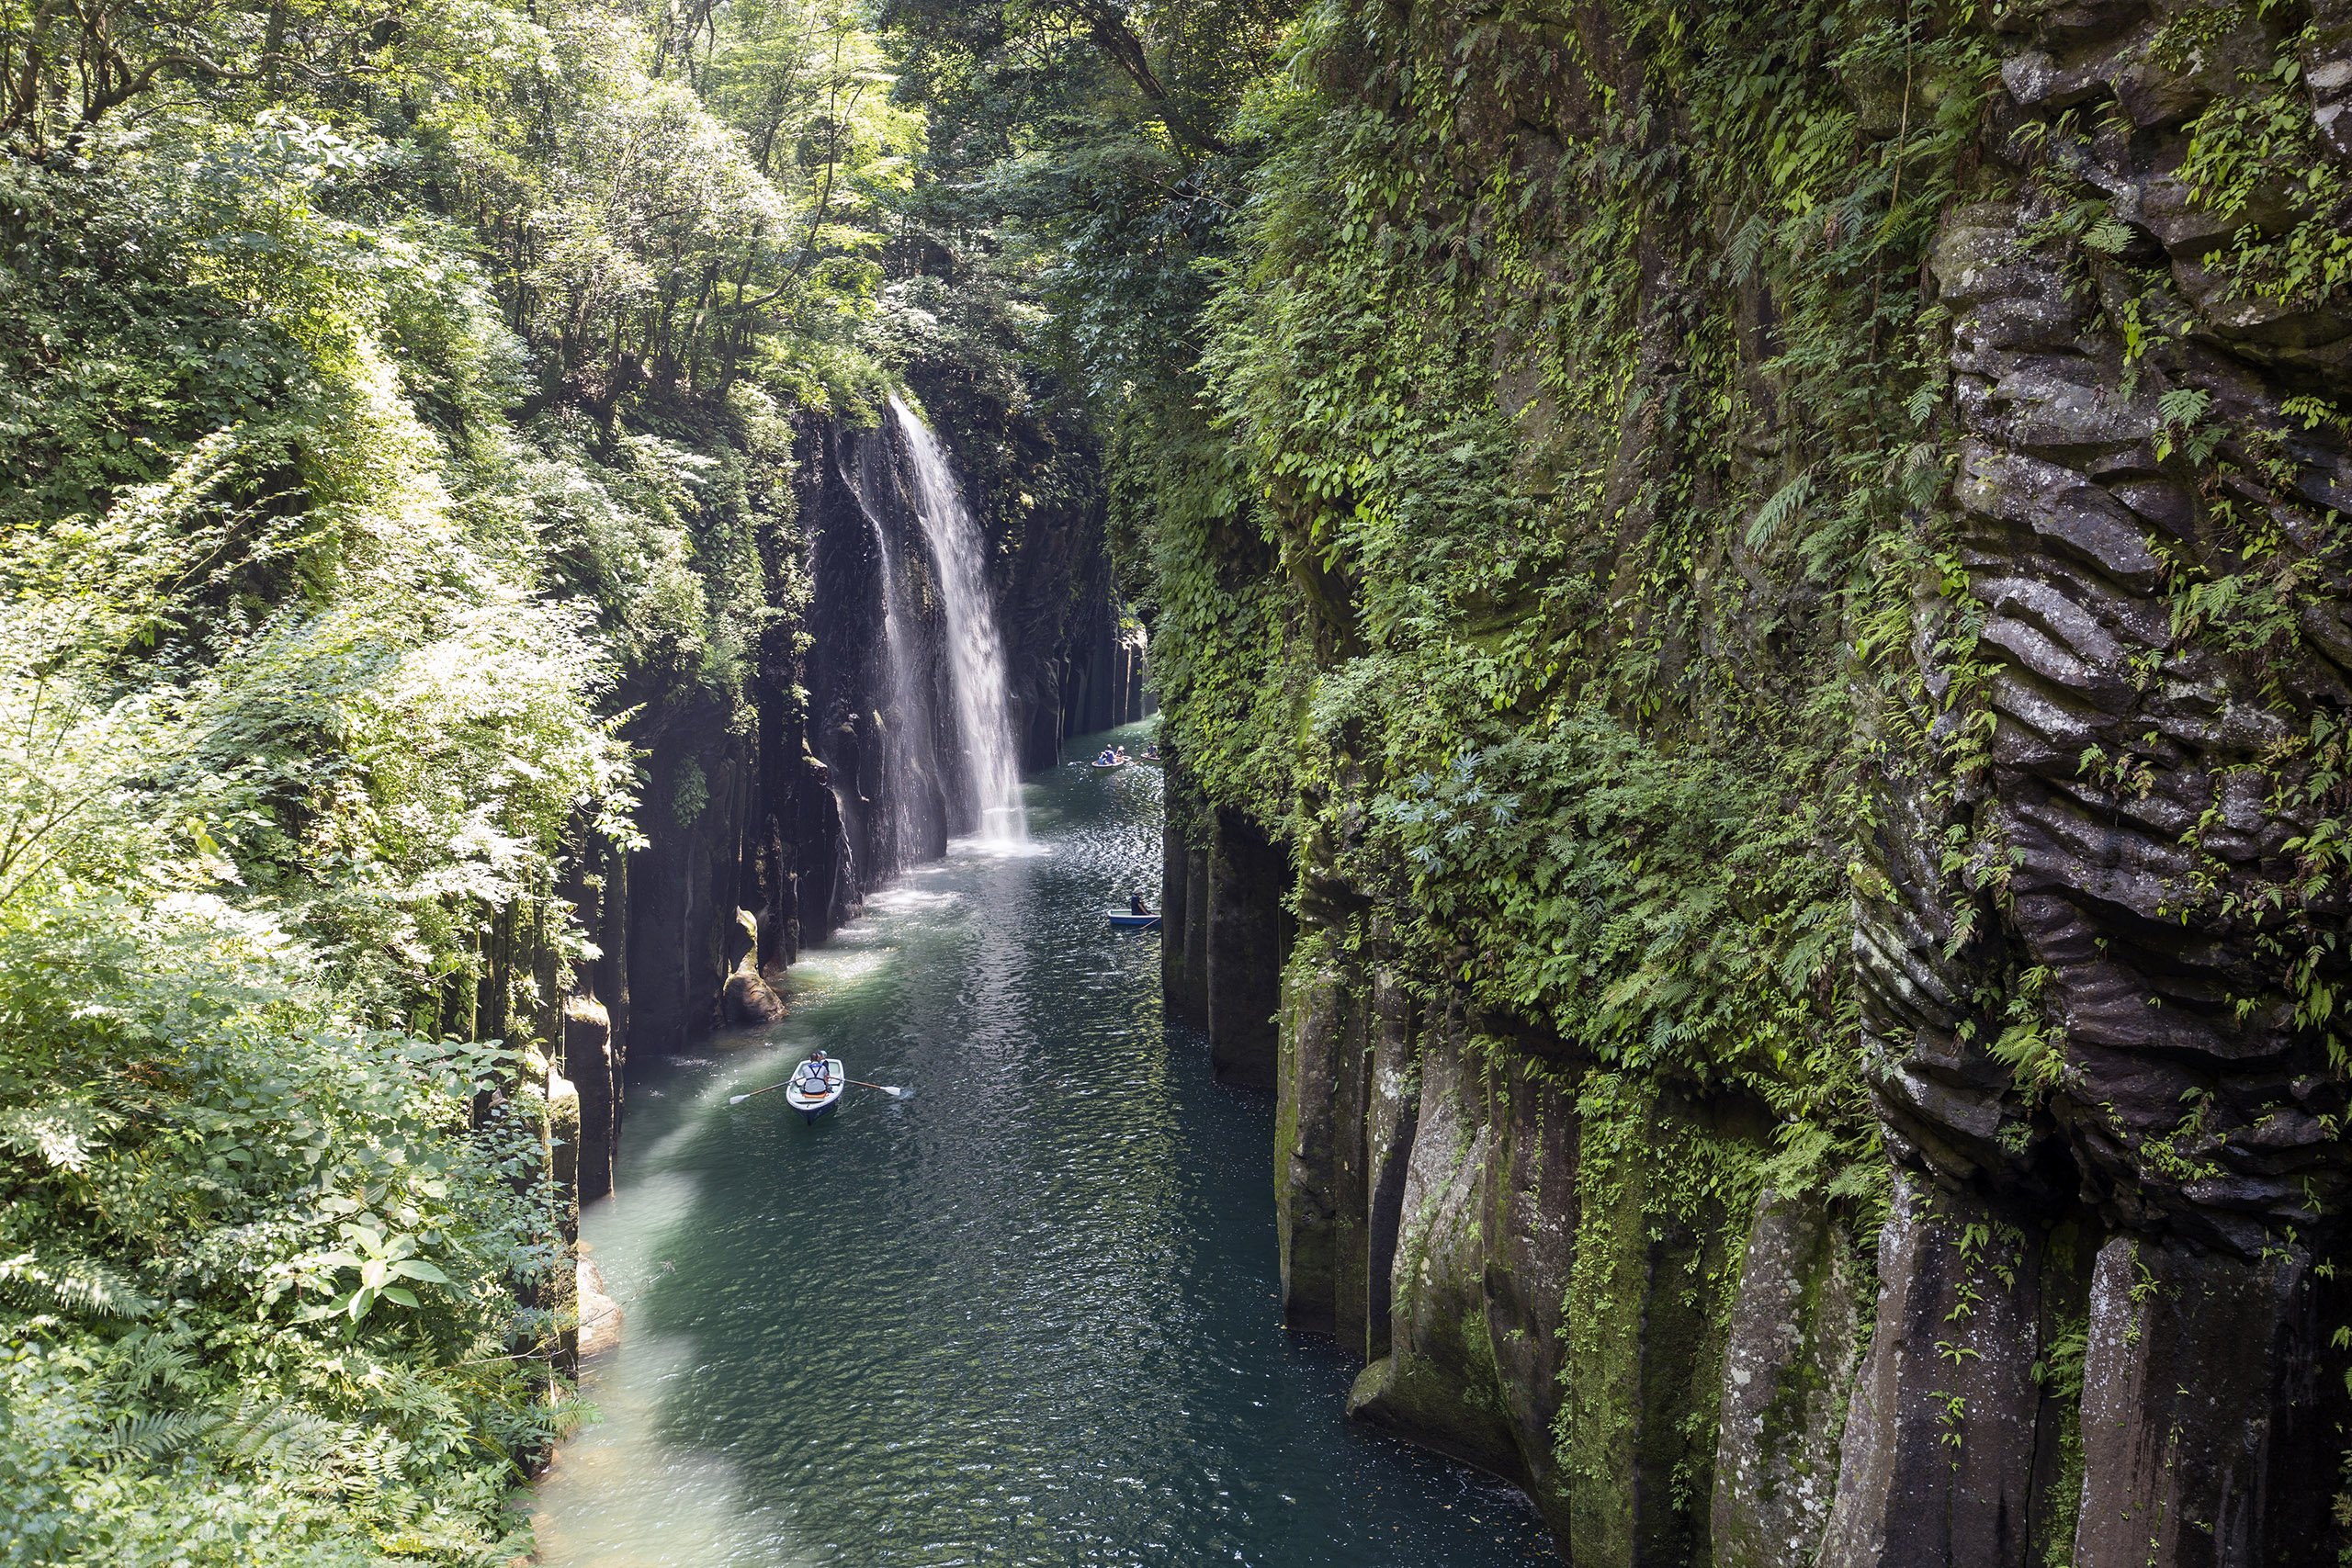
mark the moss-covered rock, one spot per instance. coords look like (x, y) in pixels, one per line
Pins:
(1789, 1365)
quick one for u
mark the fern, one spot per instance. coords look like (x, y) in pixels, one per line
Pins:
(286, 1436)
(150, 1361)
(72, 1287)
(1746, 245)
(252, 1433)
(62, 1135)
(162, 1435)
(1785, 502)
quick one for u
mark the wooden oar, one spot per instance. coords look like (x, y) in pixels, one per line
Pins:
(891, 1089)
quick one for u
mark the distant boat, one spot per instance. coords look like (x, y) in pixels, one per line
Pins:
(815, 1103)
(1105, 767)
(1132, 922)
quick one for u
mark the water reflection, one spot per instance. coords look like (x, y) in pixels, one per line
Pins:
(1027, 1318)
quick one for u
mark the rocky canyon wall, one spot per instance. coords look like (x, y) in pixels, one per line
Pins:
(769, 815)
(1933, 433)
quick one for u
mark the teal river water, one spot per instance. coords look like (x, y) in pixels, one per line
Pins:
(1028, 1316)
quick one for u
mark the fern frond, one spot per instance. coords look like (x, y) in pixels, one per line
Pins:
(160, 1436)
(72, 1287)
(252, 1432)
(148, 1360)
(285, 1436)
(62, 1135)
(1785, 502)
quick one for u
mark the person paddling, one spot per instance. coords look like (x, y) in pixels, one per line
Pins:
(815, 1075)
(1135, 905)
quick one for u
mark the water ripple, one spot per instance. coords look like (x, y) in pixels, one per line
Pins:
(1027, 1318)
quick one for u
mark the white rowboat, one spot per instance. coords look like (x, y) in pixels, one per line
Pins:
(805, 1097)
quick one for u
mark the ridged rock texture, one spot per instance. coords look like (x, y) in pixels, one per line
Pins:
(2135, 815)
(2073, 1299)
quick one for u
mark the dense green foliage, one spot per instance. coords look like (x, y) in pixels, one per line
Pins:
(389, 410)
(1529, 432)
(1482, 561)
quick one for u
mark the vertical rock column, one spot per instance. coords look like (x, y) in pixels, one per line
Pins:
(1194, 997)
(1938, 1465)
(1319, 1191)
(1183, 895)
(588, 1064)
(2202, 1374)
(1788, 1371)
(1248, 935)
(1392, 1112)
(683, 883)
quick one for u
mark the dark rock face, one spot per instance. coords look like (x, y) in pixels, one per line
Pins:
(1938, 1462)
(1225, 935)
(2130, 789)
(1101, 673)
(682, 892)
(2141, 788)
(2200, 1410)
(1248, 941)
(1184, 897)
(1441, 1381)
(1531, 1293)
(1787, 1368)
(593, 1069)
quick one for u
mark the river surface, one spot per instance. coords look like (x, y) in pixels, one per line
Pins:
(1027, 1316)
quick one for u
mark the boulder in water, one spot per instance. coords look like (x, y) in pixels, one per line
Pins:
(600, 1316)
(750, 999)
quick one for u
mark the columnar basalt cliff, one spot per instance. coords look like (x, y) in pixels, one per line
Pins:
(767, 821)
(1812, 812)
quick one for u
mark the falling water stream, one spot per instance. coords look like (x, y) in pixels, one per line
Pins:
(1027, 1316)
(906, 721)
(975, 648)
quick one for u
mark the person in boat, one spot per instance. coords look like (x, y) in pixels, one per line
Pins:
(1106, 759)
(814, 1075)
(1135, 905)
(1150, 753)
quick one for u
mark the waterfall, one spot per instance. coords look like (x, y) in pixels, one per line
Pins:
(906, 721)
(975, 649)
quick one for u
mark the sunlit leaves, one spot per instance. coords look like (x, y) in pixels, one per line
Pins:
(380, 1260)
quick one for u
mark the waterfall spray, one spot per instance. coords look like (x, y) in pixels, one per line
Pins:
(976, 651)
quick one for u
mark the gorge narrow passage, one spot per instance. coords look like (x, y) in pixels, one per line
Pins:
(1028, 1317)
